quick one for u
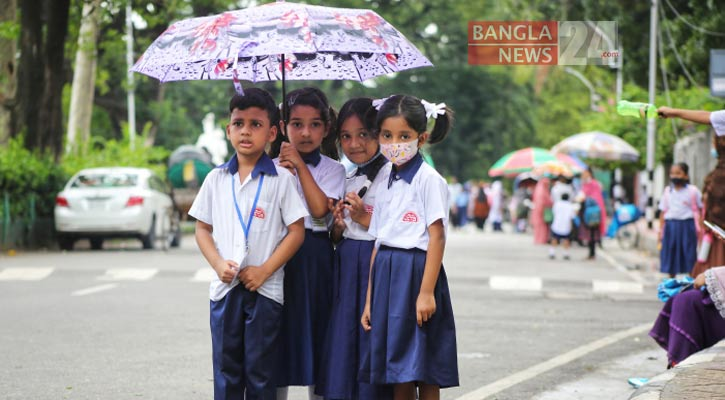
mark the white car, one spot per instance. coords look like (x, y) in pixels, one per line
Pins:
(101, 203)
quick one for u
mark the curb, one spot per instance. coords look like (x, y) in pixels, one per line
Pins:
(700, 376)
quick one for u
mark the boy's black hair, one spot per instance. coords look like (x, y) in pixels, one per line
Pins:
(361, 107)
(412, 109)
(256, 97)
(315, 98)
(565, 196)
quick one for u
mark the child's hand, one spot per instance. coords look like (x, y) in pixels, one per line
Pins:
(425, 307)
(355, 206)
(253, 277)
(289, 157)
(700, 281)
(338, 214)
(665, 112)
(226, 270)
(365, 319)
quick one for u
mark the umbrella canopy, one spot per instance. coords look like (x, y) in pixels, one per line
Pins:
(311, 42)
(576, 165)
(554, 168)
(519, 161)
(597, 145)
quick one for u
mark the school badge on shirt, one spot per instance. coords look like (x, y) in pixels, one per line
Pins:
(410, 217)
(259, 213)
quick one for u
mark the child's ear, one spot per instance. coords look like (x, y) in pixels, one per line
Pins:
(272, 134)
(422, 139)
(281, 128)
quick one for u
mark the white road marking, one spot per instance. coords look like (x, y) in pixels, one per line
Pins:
(473, 355)
(538, 369)
(515, 283)
(602, 286)
(25, 274)
(204, 275)
(94, 289)
(619, 267)
(128, 274)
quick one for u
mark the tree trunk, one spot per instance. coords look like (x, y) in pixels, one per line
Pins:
(7, 72)
(41, 76)
(84, 78)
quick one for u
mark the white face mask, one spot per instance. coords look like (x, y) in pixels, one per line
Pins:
(399, 153)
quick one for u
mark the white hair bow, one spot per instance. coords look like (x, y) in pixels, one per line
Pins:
(378, 103)
(433, 110)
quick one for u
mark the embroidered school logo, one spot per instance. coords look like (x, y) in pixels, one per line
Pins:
(259, 213)
(369, 209)
(410, 217)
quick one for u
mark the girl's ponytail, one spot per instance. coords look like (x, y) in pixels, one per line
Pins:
(442, 126)
(329, 143)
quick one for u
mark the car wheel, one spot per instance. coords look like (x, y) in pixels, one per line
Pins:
(149, 240)
(65, 242)
(96, 243)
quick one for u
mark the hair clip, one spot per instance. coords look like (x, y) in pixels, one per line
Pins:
(433, 110)
(378, 103)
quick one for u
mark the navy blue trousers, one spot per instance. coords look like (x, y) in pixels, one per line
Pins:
(244, 331)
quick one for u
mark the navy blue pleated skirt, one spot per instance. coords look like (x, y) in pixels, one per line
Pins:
(399, 350)
(306, 311)
(679, 246)
(345, 339)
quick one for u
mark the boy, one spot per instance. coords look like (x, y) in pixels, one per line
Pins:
(564, 213)
(249, 224)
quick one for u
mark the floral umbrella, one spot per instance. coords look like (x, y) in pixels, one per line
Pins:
(599, 145)
(280, 41)
(519, 161)
(576, 165)
(554, 168)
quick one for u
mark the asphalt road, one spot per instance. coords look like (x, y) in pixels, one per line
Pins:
(123, 323)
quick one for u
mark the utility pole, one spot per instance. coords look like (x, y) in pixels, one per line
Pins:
(129, 76)
(651, 123)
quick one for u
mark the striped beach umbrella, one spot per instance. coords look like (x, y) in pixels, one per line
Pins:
(576, 165)
(519, 161)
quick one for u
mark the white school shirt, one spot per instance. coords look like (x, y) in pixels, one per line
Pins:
(717, 119)
(330, 177)
(564, 213)
(414, 198)
(560, 189)
(353, 183)
(677, 204)
(279, 206)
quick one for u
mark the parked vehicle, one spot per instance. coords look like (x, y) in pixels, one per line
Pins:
(116, 202)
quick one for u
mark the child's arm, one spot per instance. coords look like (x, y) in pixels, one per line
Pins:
(426, 305)
(338, 226)
(699, 116)
(225, 269)
(316, 198)
(254, 276)
(365, 319)
(356, 208)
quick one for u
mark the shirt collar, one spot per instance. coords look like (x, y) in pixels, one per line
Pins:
(369, 166)
(407, 172)
(312, 158)
(264, 165)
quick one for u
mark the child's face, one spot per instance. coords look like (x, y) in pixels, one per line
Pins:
(306, 129)
(249, 131)
(396, 130)
(356, 142)
(677, 173)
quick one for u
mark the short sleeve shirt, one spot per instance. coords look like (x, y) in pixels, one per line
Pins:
(677, 204)
(279, 206)
(717, 119)
(414, 198)
(354, 183)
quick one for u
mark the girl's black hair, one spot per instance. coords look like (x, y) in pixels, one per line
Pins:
(412, 109)
(313, 97)
(684, 167)
(361, 107)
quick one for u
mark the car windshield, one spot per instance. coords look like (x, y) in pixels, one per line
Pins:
(105, 180)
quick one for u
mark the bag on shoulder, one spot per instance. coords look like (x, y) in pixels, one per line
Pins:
(548, 215)
(592, 213)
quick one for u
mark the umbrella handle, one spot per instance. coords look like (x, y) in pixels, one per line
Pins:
(284, 99)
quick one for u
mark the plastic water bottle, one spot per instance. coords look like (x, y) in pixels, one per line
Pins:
(637, 110)
(704, 248)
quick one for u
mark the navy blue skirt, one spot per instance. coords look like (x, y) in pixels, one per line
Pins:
(679, 246)
(306, 311)
(399, 350)
(345, 339)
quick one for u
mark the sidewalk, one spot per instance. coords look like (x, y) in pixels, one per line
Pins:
(701, 376)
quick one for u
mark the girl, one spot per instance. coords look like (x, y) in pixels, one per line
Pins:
(345, 337)
(713, 199)
(408, 310)
(679, 223)
(308, 275)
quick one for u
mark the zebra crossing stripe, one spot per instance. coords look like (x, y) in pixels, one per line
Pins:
(128, 274)
(25, 274)
(515, 283)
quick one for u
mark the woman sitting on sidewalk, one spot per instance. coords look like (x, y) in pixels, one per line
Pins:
(694, 319)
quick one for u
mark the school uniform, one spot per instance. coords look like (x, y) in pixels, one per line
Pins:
(307, 284)
(717, 119)
(679, 242)
(245, 325)
(400, 351)
(346, 340)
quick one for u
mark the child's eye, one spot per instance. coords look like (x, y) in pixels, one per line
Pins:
(237, 124)
(363, 135)
(345, 136)
(316, 124)
(405, 136)
(387, 135)
(256, 124)
(296, 125)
